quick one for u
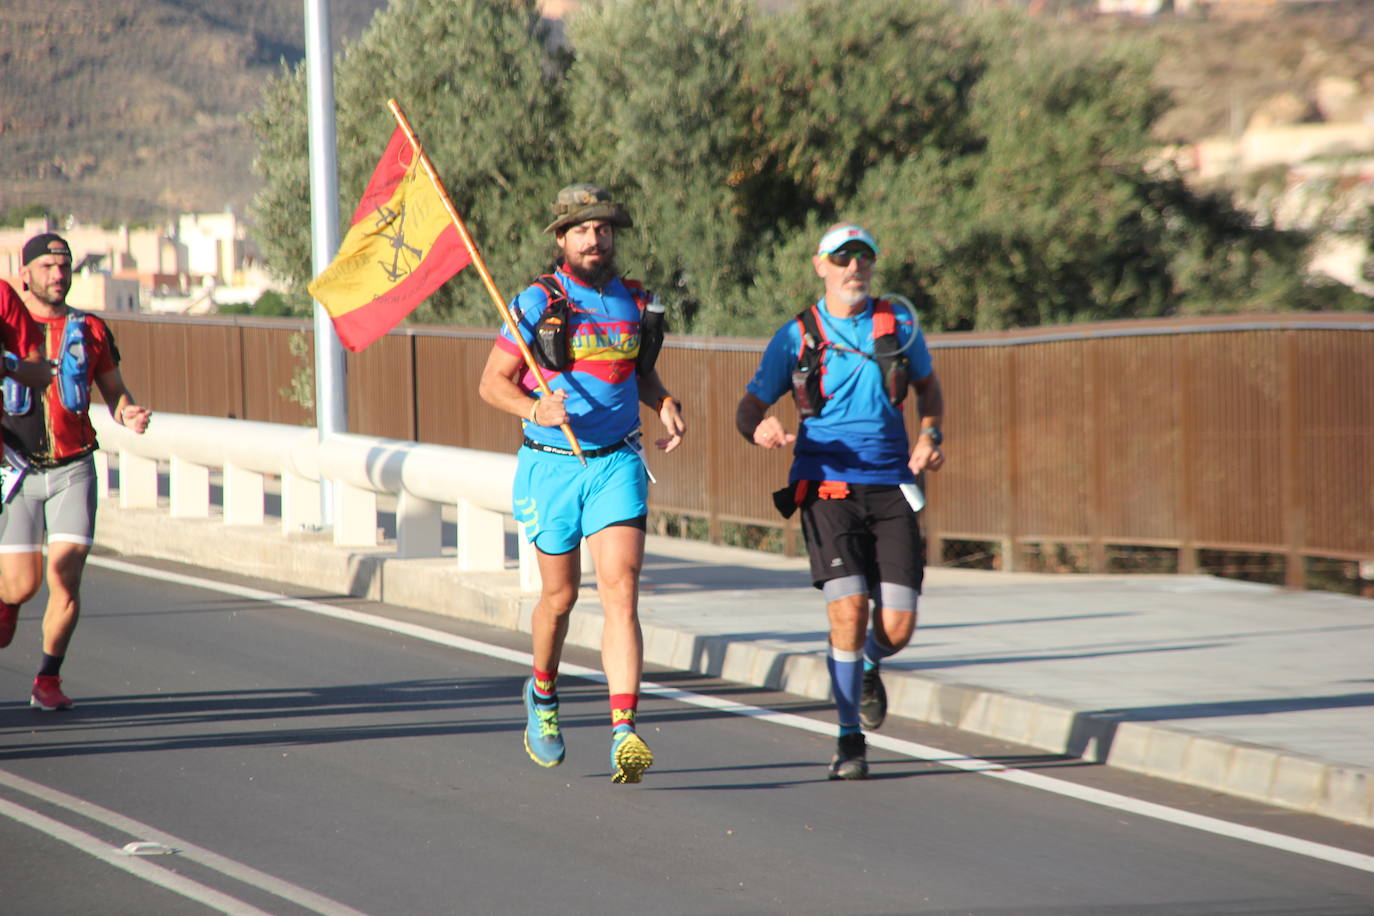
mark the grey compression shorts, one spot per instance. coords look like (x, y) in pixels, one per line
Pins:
(59, 501)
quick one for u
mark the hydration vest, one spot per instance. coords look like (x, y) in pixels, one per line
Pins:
(550, 345)
(73, 379)
(808, 387)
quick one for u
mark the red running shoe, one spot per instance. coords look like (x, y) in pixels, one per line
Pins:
(9, 619)
(47, 693)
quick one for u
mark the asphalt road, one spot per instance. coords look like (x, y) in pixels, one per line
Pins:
(276, 760)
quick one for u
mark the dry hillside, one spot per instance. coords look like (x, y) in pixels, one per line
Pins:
(1311, 63)
(131, 109)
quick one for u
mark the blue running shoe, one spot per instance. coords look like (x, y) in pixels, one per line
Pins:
(630, 756)
(543, 738)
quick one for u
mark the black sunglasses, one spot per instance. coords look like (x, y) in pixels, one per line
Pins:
(842, 258)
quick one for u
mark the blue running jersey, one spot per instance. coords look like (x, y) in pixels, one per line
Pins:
(859, 437)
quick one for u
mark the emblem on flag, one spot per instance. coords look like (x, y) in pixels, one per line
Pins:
(401, 247)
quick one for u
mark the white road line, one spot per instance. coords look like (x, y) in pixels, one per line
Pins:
(148, 869)
(1332, 854)
(1268, 838)
(140, 868)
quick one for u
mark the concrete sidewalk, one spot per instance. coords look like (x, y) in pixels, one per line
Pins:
(1241, 688)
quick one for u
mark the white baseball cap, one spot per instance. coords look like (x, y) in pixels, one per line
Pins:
(841, 236)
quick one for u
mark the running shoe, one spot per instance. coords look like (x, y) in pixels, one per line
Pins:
(543, 738)
(48, 695)
(873, 701)
(630, 756)
(851, 758)
(9, 619)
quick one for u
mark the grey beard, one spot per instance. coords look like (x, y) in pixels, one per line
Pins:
(853, 298)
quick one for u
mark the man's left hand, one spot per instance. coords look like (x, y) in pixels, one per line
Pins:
(670, 414)
(926, 456)
(135, 417)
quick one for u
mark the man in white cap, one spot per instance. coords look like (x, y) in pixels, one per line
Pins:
(849, 361)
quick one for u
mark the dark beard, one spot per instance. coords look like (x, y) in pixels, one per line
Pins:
(598, 277)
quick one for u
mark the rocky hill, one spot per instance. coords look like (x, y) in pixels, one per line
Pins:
(132, 109)
(1302, 63)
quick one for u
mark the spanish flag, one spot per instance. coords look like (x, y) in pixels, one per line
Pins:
(402, 246)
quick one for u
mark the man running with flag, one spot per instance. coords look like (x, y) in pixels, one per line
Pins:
(584, 326)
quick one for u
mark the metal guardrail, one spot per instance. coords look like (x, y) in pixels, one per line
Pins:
(423, 478)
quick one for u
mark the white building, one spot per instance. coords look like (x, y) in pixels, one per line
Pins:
(205, 259)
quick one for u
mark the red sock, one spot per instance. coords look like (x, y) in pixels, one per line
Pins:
(544, 683)
(623, 706)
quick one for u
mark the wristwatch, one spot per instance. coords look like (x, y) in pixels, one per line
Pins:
(11, 363)
(934, 433)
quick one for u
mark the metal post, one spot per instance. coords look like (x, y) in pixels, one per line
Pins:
(331, 392)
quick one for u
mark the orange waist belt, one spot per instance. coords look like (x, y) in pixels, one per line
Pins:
(829, 489)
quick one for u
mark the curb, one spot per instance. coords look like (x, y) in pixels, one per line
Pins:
(1273, 776)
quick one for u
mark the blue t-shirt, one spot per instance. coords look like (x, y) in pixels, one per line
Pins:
(603, 391)
(858, 437)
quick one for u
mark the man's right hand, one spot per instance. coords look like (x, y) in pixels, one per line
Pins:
(770, 434)
(552, 409)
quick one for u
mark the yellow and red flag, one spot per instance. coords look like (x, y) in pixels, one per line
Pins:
(402, 246)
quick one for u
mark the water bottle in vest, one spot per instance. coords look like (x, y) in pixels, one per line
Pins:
(651, 328)
(72, 381)
(18, 398)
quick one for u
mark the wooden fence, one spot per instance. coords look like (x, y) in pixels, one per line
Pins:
(1242, 434)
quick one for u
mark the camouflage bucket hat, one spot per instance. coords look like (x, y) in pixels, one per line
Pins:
(578, 203)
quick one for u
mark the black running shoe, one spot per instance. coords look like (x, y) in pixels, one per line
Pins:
(851, 758)
(873, 701)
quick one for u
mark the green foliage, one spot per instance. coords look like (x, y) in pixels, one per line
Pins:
(270, 304)
(301, 389)
(282, 208)
(1006, 172)
(837, 89)
(276, 305)
(652, 101)
(15, 217)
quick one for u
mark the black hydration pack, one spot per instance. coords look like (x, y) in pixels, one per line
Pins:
(808, 387)
(550, 346)
(551, 331)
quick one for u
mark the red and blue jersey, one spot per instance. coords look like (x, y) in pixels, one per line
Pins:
(603, 337)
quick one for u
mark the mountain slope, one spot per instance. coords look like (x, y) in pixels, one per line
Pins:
(131, 109)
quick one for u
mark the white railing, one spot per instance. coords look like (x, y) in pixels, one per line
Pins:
(423, 478)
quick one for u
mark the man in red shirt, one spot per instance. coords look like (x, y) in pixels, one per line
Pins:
(49, 437)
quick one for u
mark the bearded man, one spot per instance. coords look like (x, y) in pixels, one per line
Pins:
(583, 323)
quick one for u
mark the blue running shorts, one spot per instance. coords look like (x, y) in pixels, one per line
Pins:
(558, 502)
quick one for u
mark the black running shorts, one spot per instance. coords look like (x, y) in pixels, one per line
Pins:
(871, 533)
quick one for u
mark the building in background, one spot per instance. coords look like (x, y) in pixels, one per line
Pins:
(192, 266)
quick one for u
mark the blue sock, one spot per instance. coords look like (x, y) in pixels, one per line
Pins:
(846, 680)
(875, 651)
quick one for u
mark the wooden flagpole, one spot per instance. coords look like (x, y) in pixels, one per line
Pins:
(481, 268)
